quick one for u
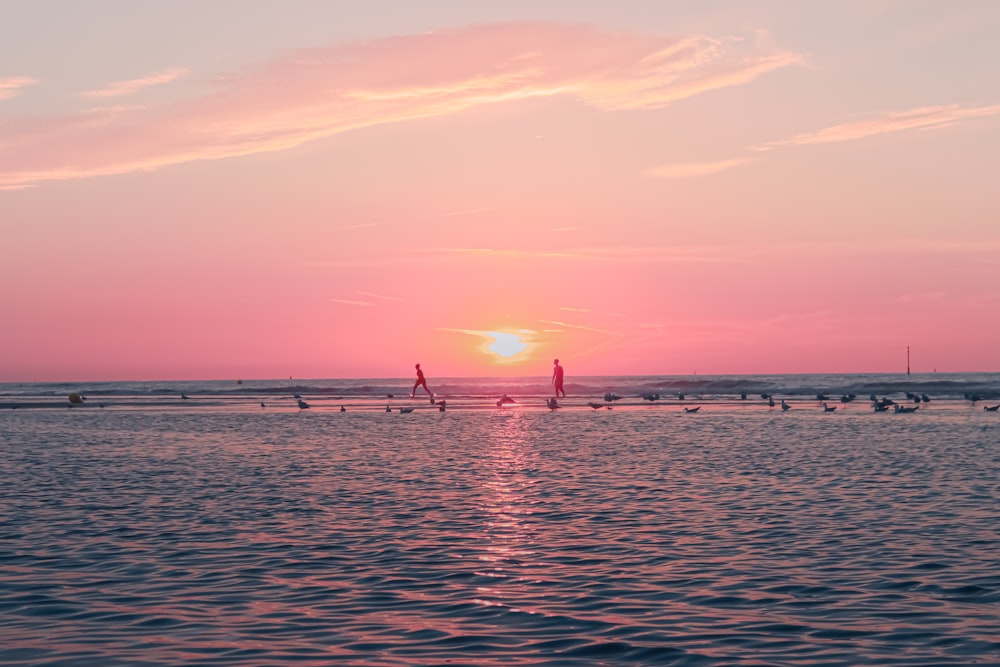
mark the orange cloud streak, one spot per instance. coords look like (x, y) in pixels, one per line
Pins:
(915, 119)
(318, 93)
(11, 86)
(122, 88)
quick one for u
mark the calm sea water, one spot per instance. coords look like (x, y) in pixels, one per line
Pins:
(211, 531)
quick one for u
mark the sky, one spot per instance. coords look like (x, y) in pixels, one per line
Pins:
(312, 189)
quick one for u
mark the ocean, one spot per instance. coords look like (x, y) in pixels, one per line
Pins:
(184, 523)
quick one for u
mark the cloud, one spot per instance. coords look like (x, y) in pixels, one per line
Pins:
(11, 86)
(581, 327)
(922, 118)
(122, 88)
(689, 169)
(693, 254)
(311, 94)
(352, 303)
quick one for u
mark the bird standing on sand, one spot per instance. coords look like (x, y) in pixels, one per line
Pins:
(343, 409)
(829, 408)
(303, 405)
(785, 406)
(406, 411)
(551, 403)
(993, 408)
(691, 410)
(598, 406)
(441, 406)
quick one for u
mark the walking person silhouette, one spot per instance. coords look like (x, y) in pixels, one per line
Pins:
(557, 379)
(421, 382)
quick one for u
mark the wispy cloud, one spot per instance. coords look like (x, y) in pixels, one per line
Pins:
(11, 86)
(132, 86)
(922, 118)
(611, 254)
(690, 169)
(352, 303)
(581, 327)
(317, 93)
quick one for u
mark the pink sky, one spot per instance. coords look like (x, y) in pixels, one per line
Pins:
(311, 190)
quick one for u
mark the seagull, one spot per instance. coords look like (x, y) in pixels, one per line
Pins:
(406, 411)
(505, 400)
(296, 396)
(987, 408)
(551, 403)
(184, 396)
(598, 406)
(829, 408)
(343, 409)
(770, 401)
(680, 396)
(822, 397)
(441, 406)
(609, 397)
(879, 407)
(692, 409)
(262, 406)
(785, 406)
(899, 409)
(303, 405)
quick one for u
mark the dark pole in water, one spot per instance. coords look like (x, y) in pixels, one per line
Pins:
(907, 359)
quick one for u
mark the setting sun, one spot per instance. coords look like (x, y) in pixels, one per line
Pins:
(506, 344)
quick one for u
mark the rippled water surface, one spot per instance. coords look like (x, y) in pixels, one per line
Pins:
(487, 538)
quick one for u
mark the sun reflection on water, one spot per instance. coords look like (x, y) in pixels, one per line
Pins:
(507, 532)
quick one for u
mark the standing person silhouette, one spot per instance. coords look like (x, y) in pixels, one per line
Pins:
(557, 379)
(421, 382)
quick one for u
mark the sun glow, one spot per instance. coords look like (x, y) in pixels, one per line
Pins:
(506, 345)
